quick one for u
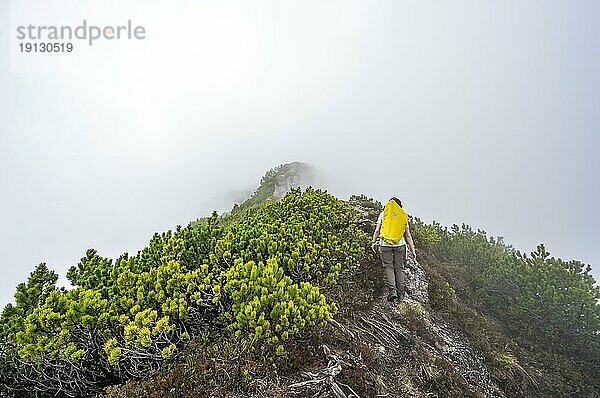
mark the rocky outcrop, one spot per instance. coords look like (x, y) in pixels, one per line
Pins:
(292, 175)
(279, 181)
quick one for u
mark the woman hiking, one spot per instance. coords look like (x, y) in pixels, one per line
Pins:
(391, 236)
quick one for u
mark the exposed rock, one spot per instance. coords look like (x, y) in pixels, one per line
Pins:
(467, 361)
(279, 181)
(368, 211)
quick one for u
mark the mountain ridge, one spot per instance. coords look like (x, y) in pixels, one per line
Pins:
(479, 319)
(458, 355)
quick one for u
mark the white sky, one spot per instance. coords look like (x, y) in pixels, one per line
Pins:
(469, 111)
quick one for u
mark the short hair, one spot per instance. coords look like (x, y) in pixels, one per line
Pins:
(395, 199)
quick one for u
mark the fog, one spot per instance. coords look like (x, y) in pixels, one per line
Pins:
(469, 111)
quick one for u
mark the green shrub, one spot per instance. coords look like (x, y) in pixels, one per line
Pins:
(545, 300)
(269, 306)
(259, 278)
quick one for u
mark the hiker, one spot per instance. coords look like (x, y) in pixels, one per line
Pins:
(391, 236)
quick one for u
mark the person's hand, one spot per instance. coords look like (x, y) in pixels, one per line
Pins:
(413, 255)
(374, 247)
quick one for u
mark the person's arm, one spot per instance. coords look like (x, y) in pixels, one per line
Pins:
(375, 237)
(409, 240)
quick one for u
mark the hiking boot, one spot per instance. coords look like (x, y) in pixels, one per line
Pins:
(392, 296)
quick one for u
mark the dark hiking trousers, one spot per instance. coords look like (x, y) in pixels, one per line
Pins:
(393, 259)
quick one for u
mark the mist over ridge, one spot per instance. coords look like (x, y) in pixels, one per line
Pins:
(481, 114)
